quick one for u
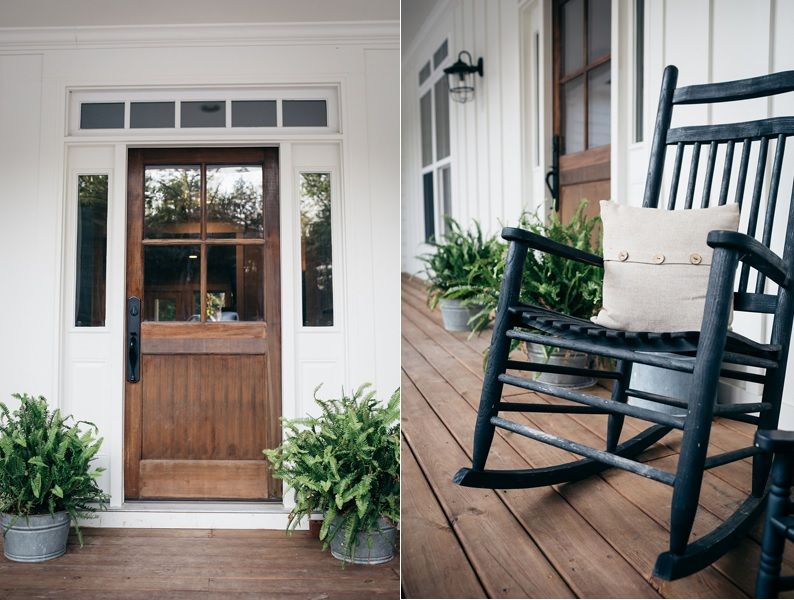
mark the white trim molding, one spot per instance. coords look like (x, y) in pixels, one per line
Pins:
(378, 33)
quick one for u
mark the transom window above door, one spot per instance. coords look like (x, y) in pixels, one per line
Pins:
(105, 112)
(203, 238)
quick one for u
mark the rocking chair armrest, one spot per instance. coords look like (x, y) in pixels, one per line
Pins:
(774, 440)
(538, 242)
(753, 253)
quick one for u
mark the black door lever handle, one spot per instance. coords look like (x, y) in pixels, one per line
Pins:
(133, 339)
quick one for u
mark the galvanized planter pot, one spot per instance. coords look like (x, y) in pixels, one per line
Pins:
(456, 316)
(36, 538)
(567, 358)
(371, 549)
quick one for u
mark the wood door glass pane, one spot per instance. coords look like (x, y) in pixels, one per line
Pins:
(599, 28)
(235, 283)
(234, 202)
(445, 177)
(172, 202)
(440, 54)
(572, 105)
(171, 283)
(92, 236)
(316, 250)
(442, 118)
(426, 117)
(203, 114)
(430, 212)
(599, 82)
(424, 73)
(572, 31)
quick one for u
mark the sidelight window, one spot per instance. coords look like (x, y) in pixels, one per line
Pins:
(316, 250)
(92, 243)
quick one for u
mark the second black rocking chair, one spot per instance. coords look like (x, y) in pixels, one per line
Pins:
(708, 354)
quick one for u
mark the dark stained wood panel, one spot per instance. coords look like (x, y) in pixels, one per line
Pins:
(209, 479)
(209, 395)
(204, 406)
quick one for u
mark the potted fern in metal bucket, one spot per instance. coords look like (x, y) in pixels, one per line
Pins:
(46, 479)
(345, 463)
(456, 269)
(555, 283)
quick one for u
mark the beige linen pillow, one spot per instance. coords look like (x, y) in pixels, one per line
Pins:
(656, 265)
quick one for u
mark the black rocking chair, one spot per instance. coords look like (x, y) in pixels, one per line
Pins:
(707, 354)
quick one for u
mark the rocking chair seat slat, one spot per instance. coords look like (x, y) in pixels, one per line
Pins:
(558, 325)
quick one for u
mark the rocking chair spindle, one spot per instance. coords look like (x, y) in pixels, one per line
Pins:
(702, 353)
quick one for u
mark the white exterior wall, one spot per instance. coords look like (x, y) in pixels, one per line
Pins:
(496, 170)
(81, 369)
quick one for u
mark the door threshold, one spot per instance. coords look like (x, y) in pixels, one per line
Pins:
(201, 506)
(194, 515)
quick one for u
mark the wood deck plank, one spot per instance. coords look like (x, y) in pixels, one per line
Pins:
(514, 569)
(447, 367)
(438, 566)
(201, 563)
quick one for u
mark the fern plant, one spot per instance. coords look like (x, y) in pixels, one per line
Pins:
(462, 264)
(45, 463)
(344, 463)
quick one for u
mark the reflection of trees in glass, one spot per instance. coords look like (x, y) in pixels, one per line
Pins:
(92, 202)
(315, 211)
(171, 196)
(234, 195)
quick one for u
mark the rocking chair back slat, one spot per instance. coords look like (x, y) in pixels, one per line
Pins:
(743, 165)
(709, 175)
(679, 157)
(752, 222)
(726, 173)
(771, 203)
(693, 174)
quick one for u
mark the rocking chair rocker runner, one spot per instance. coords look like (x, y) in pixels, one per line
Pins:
(705, 354)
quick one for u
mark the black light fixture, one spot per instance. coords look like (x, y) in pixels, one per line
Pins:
(462, 87)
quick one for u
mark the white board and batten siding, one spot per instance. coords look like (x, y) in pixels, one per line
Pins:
(81, 369)
(501, 141)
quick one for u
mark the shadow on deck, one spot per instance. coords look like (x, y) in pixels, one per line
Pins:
(598, 538)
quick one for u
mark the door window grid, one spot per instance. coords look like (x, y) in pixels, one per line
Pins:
(203, 244)
(435, 144)
(583, 39)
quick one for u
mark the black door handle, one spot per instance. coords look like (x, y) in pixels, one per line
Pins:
(554, 173)
(133, 339)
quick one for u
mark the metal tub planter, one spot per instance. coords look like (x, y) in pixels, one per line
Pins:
(370, 548)
(456, 314)
(562, 358)
(35, 538)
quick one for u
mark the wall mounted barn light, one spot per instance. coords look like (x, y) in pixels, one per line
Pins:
(461, 77)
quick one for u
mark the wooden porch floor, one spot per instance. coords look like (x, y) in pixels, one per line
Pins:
(598, 538)
(197, 563)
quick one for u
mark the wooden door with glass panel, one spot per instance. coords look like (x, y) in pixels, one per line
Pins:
(582, 92)
(203, 258)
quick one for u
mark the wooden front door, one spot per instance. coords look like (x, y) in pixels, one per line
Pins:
(203, 258)
(582, 96)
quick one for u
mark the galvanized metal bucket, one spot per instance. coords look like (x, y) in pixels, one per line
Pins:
(567, 358)
(456, 316)
(36, 538)
(373, 549)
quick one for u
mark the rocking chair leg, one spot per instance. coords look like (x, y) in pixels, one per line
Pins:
(773, 391)
(615, 425)
(497, 358)
(705, 379)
